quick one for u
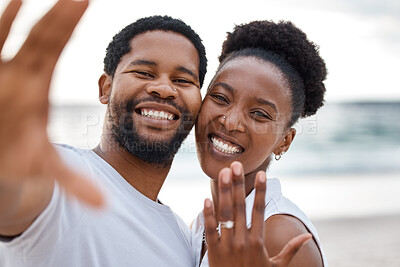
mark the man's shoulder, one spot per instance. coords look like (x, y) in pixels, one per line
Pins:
(76, 158)
(68, 149)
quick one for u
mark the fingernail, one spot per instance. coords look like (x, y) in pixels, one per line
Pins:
(207, 203)
(309, 237)
(236, 169)
(225, 179)
(262, 178)
(81, 1)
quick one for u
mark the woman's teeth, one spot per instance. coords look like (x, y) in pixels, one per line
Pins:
(224, 147)
(155, 114)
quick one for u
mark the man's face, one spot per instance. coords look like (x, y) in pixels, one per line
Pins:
(155, 96)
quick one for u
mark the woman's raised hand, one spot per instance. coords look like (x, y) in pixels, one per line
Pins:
(236, 245)
(25, 151)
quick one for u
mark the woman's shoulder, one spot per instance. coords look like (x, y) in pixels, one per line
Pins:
(280, 229)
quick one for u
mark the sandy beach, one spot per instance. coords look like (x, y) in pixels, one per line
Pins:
(370, 241)
(356, 216)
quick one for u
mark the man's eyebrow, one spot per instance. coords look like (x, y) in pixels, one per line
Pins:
(263, 101)
(142, 62)
(186, 70)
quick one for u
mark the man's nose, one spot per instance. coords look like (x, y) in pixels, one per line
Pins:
(162, 89)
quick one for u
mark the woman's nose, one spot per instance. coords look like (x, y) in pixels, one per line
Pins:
(232, 121)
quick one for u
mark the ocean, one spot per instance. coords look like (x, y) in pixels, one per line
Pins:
(346, 147)
(345, 138)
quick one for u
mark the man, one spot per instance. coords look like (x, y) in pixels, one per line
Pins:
(154, 69)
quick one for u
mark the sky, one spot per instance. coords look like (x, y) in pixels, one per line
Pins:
(359, 39)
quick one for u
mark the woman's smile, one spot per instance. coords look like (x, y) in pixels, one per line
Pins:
(225, 146)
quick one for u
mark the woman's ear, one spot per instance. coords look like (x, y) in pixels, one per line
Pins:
(285, 143)
(104, 88)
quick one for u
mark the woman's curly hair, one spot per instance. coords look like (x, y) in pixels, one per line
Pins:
(287, 47)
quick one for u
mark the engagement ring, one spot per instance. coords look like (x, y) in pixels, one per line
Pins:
(227, 224)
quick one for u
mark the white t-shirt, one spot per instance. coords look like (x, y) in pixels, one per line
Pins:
(275, 203)
(132, 231)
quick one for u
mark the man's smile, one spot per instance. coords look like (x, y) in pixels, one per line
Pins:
(157, 114)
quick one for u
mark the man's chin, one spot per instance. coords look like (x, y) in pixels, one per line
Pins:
(151, 145)
(158, 154)
(154, 151)
(156, 138)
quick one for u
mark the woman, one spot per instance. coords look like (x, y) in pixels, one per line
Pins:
(270, 75)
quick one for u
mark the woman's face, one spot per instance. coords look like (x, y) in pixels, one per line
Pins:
(243, 117)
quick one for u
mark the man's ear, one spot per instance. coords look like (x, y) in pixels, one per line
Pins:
(285, 143)
(104, 88)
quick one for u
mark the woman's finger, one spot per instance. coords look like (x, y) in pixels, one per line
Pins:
(210, 225)
(49, 36)
(225, 205)
(239, 204)
(257, 221)
(289, 251)
(7, 20)
(74, 183)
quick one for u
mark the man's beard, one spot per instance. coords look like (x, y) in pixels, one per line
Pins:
(124, 132)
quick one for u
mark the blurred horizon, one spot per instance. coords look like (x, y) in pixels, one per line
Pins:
(342, 138)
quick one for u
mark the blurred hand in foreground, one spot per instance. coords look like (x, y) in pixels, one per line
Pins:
(25, 150)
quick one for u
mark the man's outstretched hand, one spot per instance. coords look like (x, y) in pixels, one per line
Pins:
(25, 150)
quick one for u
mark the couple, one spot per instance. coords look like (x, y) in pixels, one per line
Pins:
(269, 76)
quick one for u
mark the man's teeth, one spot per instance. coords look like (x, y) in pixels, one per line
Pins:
(155, 114)
(224, 147)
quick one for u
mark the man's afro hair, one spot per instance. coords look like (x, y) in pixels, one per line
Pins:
(120, 44)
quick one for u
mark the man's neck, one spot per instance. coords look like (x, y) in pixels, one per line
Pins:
(145, 177)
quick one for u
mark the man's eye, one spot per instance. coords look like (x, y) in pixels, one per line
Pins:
(183, 81)
(144, 74)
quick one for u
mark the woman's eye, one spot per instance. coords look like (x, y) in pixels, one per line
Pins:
(262, 115)
(220, 98)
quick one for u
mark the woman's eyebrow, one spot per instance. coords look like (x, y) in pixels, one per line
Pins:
(263, 101)
(259, 100)
(226, 86)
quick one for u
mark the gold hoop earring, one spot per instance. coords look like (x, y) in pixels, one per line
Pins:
(278, 156)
